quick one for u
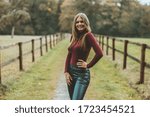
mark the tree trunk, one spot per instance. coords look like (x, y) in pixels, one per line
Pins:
(12, 32)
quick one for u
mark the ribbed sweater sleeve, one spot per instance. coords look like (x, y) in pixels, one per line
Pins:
(67, 62)
(98, 51)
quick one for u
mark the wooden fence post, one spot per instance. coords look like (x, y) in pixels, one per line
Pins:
(46, 45)
(99, 39)
(113, 49)
(20, 56)
(50, 42)
(125, 54)
(56, 40)
(33, 56)
(107, 44)
(53, 40)
(0, 67)
(103, 42)
(142, 65)
(41, 52)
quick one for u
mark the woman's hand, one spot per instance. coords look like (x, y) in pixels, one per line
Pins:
(68, 78)
(81, 63)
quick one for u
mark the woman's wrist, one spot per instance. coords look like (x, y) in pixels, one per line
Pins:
(66, 75)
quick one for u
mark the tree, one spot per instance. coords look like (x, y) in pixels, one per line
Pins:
(130, 14)
(144, 27)
(44, 16)
(14, 18)
(68, 11)
(4, 6)
(108, 17)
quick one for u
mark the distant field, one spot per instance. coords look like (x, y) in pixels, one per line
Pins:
(6, 39)
(133, 68)
(141, 40)
(10, 53)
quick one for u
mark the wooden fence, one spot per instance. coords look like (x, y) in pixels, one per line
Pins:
(50, 42)
(142, 62)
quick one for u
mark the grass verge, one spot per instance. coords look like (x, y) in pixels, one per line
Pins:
(107, 83)
(39, 82)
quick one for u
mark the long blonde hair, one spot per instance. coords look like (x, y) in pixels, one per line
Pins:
(74, 30)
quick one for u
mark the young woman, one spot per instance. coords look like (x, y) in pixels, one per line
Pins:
(77, 72)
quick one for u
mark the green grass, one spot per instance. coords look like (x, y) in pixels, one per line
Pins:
(40, 81)
(108, 83)
(13, 52)
(135, 51)
(133, 68)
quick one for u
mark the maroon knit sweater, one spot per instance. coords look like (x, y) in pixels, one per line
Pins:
(75, 52)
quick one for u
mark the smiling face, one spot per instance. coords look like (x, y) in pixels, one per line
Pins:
(80, 25)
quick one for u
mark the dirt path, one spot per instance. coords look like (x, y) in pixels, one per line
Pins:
(61, 92)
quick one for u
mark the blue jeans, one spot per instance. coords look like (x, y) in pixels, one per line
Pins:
(79, 83)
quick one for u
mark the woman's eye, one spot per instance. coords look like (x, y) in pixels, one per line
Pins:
(79, 21)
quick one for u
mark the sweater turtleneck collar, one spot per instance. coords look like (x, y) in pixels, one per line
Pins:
(80, 34)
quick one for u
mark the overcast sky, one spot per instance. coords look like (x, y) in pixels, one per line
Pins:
(144, 1)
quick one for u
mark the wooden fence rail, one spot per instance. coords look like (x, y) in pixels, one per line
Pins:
(50, 40)
(142, 62)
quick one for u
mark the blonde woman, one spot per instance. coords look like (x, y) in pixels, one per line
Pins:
(77, 72)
